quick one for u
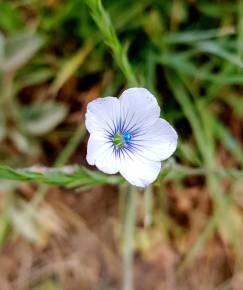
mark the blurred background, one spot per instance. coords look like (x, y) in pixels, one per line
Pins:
(55, 57)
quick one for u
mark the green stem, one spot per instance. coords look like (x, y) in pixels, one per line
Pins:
(128, 236)
(7, 95)
(148, 205)
(104, 23)
(73, 175)
(71, 146)
(240, 28)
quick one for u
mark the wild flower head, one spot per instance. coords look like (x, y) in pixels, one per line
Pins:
(128, 136)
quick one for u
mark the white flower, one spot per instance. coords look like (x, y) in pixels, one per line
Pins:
(128, 136)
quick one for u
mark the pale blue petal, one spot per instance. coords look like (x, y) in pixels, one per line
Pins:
(138, 170)
(100, 153)
(158, 142)
(103, 114)
(139, 109)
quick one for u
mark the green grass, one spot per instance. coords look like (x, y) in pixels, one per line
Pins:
(188, 53)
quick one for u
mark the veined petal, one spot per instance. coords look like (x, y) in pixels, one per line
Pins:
(100, 153)
(139, 171)
(158, 142)
(127, 135)
(139, 109)
(103, 114)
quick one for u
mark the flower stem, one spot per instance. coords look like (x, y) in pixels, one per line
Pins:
(148, 205)
(128, 237)
(103, 21)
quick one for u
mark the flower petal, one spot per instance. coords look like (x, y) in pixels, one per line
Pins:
(158, 143)
(103, 114)
(100, 153)
(139, 109)
(139, 171)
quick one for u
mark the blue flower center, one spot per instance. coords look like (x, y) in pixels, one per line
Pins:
(127, 137)
(121, 140)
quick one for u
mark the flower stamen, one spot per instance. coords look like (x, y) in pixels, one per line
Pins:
(121, 140)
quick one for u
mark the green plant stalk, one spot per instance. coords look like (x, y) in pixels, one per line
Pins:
(202, 132)
(5, 227)
(70, 67)
(213, 181)
(209, 159)
(203, 238)
(7, 101)
(240, 28)
(212, 225)
(103, 21)
(7, 86)
(9, 111)
(128, 237)
(148, 205)
(74, 175)
(61, 160)
(71, 146)
(68, 176)
(208, 136)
